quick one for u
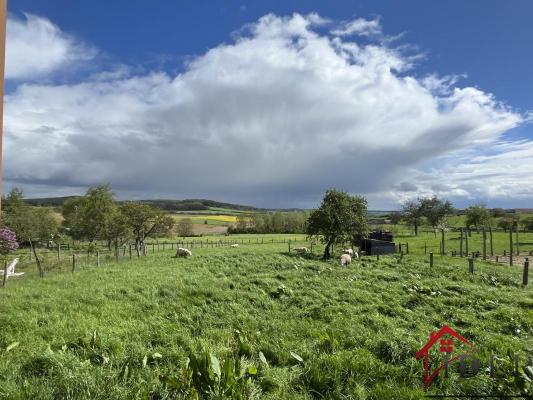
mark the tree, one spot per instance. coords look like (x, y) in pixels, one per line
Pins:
(28, 223)
(506, 223)
(184, 227)
(89, 217)
(395, 217)
(497, 213)
(527, 223)
(412, 213)
(118, 230)
(436, 210)
(477, 215)
(339, 218)
(359, 223)
(243, 223)
(146, 221)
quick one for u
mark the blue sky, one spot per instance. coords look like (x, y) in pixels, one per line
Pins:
(483, 45)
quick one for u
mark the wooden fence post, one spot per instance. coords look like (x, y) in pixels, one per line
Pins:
(442, 240)
(289, 245)
(511, 246)
(425, 248)
(466, 244)
(517, 240)
(525, 276)
(98, 259)
(484, 243)
(4, 283)
(490, 239)
(461, 244)
(59, 252)
(471, 265)
(431, 260)
(73, 263)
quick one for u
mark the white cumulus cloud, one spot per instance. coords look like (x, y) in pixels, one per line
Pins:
(36, 47)
(271, 119)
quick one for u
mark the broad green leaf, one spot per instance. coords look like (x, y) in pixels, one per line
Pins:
(11, 346)
(252, 370)
(262, 358)
(215, 364)
(297, 357)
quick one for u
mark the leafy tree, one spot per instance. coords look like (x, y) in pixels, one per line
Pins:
(506, 223)
(339, 218)
(243, 222)
(184, 227)
(497, 212)
(436, 210)
(395, 217)
(28, 223)
(477, 215)
(146, 221)
(413, 213)
(89, 217)
(527, 223)
(118, 230)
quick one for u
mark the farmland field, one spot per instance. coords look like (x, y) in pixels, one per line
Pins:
(301, 327)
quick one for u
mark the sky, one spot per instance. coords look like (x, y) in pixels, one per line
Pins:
(270, 103)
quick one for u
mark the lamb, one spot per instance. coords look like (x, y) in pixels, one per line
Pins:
(181, 252)
(348, 251)
(301, 250)
(345, 259)
(235, 245)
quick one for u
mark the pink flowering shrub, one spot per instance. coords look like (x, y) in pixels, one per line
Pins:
(8, 241)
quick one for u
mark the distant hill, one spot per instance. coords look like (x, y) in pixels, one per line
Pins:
(49, 201)
(167, 205)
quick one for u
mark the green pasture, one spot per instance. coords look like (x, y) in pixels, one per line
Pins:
(256, 322)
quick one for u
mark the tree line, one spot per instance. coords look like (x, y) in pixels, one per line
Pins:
(434, 212)
(96, 216)
(270, 222)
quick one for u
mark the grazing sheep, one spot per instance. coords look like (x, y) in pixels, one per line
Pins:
(181, 252)
(355, 254)
(345, 260)
(348, 251)
(301, 250)
(235, 245)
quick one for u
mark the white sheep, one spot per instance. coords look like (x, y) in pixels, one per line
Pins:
(345, 259)
(302, 250)
(355, 254)
(181, 252)
(348, 251)
(235, 245)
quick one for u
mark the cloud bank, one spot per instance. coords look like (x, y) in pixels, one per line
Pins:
(35, 47)
(293, 106)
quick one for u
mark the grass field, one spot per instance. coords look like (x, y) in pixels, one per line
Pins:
(301, 328)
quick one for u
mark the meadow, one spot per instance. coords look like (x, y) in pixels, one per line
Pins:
(257, 322)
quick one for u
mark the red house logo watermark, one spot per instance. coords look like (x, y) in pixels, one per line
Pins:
(445, 340)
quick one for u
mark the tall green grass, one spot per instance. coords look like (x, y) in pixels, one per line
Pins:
(296, 327)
